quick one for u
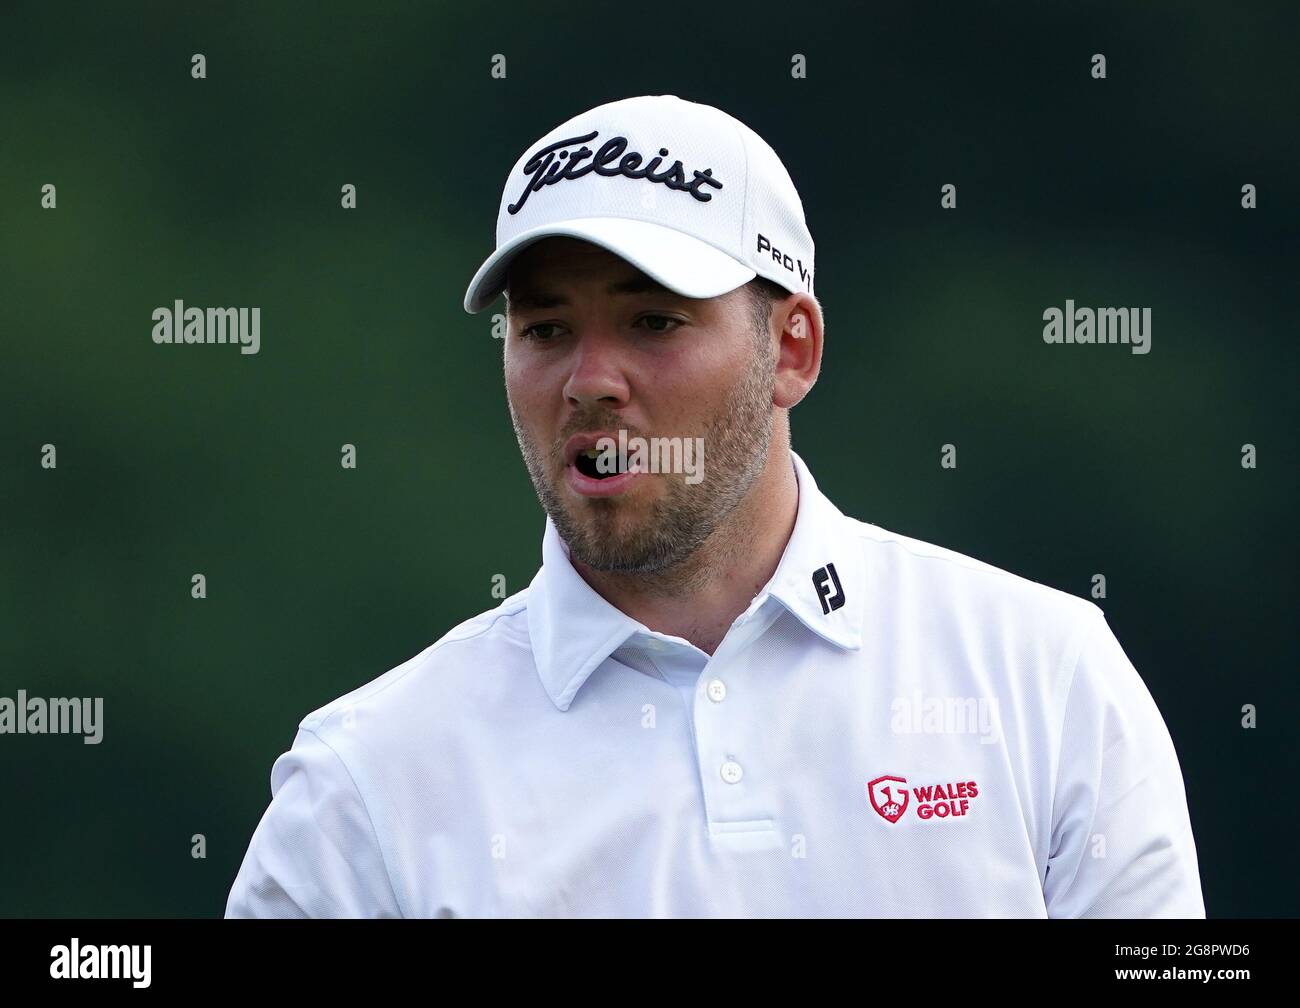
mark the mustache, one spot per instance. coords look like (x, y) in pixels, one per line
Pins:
(598, 419)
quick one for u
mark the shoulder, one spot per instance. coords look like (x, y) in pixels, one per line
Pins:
(919, 580)
(489, 650)
(960, 573)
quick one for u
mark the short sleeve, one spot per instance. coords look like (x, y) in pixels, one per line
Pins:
(1121, 843)
(315, 852)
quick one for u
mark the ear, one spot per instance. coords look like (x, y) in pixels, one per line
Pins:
(799, 347)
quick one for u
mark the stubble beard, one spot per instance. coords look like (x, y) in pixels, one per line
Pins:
(606, 536)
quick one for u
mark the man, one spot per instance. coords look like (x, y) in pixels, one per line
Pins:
(719, 696)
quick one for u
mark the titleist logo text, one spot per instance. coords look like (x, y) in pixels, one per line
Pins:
(546, 167)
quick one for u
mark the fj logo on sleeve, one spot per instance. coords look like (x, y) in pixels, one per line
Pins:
(890, 797)
(829, 592)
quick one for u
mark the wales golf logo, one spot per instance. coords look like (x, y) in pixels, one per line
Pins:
(888, 797)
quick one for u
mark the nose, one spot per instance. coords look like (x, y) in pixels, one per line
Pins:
(597, 376)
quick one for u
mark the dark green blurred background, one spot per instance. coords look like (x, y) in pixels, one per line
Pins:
(225, 191)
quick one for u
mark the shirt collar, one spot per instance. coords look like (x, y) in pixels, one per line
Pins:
(820, 580)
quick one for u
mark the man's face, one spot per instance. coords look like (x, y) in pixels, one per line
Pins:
(596, 347)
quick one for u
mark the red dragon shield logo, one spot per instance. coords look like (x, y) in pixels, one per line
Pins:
(888, 798)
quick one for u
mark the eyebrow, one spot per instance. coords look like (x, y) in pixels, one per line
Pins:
(529, 298)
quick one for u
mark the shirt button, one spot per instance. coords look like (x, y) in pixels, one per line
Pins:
(731, 772)
(717, 691)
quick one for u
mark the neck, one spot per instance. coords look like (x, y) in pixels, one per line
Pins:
(701, 597)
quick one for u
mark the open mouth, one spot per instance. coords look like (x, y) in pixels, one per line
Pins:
(595, 464)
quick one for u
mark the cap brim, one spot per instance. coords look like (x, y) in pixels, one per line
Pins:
(685, 265)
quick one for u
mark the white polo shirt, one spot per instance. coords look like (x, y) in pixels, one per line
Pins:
(890, 729)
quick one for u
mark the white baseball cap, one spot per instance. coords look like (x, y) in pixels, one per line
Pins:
(687, 194)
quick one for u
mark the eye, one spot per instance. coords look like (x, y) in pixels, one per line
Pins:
(539, 332)
(673, 323)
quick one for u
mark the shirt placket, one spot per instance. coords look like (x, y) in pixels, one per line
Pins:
(732, 788)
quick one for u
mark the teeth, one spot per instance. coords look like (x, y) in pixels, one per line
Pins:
(591, 453)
